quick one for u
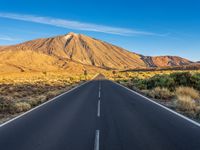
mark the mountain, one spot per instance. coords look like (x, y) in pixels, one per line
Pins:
(72, 50)
(165, 61)
(2, 47)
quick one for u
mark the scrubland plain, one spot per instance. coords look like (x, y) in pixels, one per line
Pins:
(20, 92)
(178, 90)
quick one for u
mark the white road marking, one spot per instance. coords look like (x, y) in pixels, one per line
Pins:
(11, 120)
(180, 115)
(99, 93)
(99, 108)
(96, 142)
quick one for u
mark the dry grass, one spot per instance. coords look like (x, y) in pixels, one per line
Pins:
(188, 100)
(187, 92)
(22, 91)
(20, 107)
(186, 103)
(161, 93)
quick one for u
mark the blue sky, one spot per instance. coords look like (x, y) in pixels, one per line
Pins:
(148, 27)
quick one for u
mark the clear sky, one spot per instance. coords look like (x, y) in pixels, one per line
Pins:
(148, 27)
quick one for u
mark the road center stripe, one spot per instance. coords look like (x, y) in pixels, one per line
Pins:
(98, 108)
(99, 93)
(96, 142)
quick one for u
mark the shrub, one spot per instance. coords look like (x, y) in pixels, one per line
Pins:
(181, 78)
(164, 81)
(161, 93)
(3, 107)
(151, 83)
(188, 92)
(37, 100)
(20, 107)
(185, 103)
(34, 102)
(145, 92)
(139, 83)
(195, 80)
(52, 94)
(5, 104)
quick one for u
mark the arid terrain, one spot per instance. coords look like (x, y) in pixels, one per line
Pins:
(22, 91)
(36, 71)
(99, 75)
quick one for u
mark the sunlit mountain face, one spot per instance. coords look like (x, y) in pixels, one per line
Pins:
(65, 51)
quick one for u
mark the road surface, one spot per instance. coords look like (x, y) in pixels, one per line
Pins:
(100, 115)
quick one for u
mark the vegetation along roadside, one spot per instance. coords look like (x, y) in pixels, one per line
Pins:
(179, 91)
(21, 92)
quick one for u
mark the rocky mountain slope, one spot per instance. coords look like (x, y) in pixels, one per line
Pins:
(165, 61)
(70, 50)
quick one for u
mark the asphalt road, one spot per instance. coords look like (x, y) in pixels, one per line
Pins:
(100, 115)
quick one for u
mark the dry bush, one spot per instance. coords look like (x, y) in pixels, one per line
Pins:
(187, 100)
(186, 103)
(187, 92)
(52, 94)
(20, 107)
(5, 104)
(146, 92)
(161, 93)
(34, 101)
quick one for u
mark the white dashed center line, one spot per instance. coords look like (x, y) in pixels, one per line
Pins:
(97, 133)
(99, 94)
(98, 108)
(96, 142)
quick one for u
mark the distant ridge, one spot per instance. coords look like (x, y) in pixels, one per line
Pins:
(165, 61)
(70, 50)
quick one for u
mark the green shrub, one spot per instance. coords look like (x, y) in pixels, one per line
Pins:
(181, 78)
(163, 81)
(195, 80)
(168, 81)
(139, 83)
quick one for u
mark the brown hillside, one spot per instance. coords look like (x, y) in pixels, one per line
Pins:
(83, 49)
(165, 61)
(70, 50)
